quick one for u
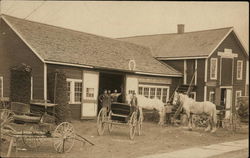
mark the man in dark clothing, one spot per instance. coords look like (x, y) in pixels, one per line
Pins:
(105, 100)
(133, 103)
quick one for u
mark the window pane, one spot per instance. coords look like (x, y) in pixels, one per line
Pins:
(146, 92)
(68, 90)
(239, 69)
(158, 93)
(90, 92)
(213, 68)
(78, 91)
(152, 93)
(164, 95)
(140, 90)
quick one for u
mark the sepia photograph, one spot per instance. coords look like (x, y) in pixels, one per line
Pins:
(124, 79)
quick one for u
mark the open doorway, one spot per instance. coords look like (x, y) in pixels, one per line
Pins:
(111, 81)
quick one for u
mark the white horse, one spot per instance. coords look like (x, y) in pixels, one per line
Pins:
(191, 106)
(150, 104)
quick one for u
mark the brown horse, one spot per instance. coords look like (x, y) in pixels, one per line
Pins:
(192, 107)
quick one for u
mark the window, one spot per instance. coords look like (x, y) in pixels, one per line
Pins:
(74, 89)
(146, 92)
(158, 93)
(140, 91)
(237, 95)
(154, 91)
(131, 91)
(90, 92)
(239, 69)
(164, 95)
(213, 68)
(212, 96)
(78, 92)
(1, 86)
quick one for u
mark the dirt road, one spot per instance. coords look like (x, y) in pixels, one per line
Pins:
(154, 140)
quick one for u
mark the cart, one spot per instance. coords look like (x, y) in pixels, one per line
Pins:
(119, 114)
(63, 135)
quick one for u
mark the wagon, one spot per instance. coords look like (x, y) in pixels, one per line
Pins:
(119, 114)
(63, 135)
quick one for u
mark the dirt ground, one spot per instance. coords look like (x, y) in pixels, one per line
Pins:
(154, 140)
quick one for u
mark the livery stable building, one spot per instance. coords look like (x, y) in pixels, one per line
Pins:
(91, 63)
(215, 59)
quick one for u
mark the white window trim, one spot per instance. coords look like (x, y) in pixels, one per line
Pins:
(31, 88)
(216, 67)
(1, 93)
(185, 72)
(72, 90)
(236, 95)
(155, 86)
(241, 71)
(210, 93)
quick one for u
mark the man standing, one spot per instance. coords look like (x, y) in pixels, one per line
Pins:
(133, 103)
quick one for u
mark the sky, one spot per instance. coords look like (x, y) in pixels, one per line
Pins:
(128, 18)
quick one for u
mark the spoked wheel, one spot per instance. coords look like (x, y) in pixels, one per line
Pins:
(100, 121)
(32, 142)
(64, 137)
(110, 125)
(139, 125)
(132, 125)
(6, 116)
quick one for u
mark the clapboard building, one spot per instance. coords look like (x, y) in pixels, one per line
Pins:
(91, 63)
(216, 59)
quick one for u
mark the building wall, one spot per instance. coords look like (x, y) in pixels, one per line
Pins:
(73, 73)
(226, 75)
(179, 65)
(13, 52)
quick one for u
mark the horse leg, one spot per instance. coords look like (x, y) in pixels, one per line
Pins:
(189, 121)
(209, 124)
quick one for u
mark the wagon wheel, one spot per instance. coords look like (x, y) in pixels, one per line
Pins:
(139, 125)
(100, 121)
(6, 116)
(110, 125)
(132, 125)
(65, 137)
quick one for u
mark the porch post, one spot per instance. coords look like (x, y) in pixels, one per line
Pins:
(45, 83)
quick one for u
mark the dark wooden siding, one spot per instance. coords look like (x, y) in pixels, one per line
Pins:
(226, 72)
(178, 65)
(200, 79)
(13, 52)
(231, 42)
(190, 70)
(73, 73)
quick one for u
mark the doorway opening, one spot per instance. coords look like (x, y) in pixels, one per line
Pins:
(112, 82)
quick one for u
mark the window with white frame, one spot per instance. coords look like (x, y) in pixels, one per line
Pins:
(74, 89)
(213, 68)
(154, 91)
(239, 69)
(212, 96)
(237, 95)
(1, 86)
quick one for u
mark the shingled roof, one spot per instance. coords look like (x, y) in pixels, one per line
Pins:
(67, 46)
(189, 44)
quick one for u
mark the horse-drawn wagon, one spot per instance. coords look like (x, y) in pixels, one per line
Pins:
(120, 114)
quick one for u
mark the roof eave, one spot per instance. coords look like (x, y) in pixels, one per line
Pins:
(182, 58)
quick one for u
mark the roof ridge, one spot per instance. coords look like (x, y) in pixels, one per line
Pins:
(230, 27)
(69, 29)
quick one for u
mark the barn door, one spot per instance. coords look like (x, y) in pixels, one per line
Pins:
(131, 84)
(90, 93)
